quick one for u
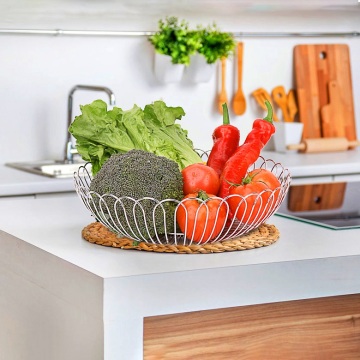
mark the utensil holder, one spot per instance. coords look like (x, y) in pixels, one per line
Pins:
(287, 133)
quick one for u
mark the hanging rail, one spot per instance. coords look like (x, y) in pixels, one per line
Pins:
(115, 33)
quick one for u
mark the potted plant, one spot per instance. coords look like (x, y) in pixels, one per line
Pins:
(174, 43)
(214, 45)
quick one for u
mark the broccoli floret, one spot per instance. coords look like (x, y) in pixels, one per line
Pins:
(132, 176)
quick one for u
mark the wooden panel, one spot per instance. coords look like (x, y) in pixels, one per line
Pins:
(308, 98)
(325, 100)
(333, 113)
(316, 197)
(325, 328)
(323, 80)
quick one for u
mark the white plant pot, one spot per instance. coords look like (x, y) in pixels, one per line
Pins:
(165, 71)
(287, 133)
(199, 70)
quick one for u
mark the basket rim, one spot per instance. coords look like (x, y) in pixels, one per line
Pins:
(236, 228)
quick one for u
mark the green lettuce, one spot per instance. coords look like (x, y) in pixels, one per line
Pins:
(100, 132)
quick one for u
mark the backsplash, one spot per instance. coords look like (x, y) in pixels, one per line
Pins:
(38, 71)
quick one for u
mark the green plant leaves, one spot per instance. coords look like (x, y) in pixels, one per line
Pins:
(215, 44)
(176, 40)
(100, 132)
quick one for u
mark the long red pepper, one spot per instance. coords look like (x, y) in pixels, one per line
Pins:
(236, 167)
(262, 130)
(226, 139)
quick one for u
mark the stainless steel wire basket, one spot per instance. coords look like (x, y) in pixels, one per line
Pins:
(114, 214)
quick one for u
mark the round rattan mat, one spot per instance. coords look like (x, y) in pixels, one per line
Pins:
(264, 235)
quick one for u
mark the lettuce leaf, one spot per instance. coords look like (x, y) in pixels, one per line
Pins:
(99, 133)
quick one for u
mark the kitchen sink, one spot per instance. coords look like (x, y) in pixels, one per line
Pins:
(67, 167)
(50, 168)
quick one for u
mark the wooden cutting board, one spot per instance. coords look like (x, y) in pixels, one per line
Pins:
(323, 84)
(325, 101)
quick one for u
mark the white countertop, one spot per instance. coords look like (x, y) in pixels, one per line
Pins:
(318, 164)
(54, 224)
(103, 294)
(15, 182)
(304, 168)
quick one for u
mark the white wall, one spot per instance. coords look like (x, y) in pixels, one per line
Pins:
(37, 72)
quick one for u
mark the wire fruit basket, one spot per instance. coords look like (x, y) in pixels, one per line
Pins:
(113, 212)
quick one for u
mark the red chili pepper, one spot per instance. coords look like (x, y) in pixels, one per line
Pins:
(262, 130)
(236, 167)
(226, 139)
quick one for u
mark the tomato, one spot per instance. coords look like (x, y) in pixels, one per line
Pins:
(255, 197)
(201, 216)
(198, 177)
(264, 176)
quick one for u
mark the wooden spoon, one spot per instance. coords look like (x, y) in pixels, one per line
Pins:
(222, 95)
(239, 102)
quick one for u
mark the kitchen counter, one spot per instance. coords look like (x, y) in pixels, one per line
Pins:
(304, 168)
(14, 182)
(64, 298)
(307, 168)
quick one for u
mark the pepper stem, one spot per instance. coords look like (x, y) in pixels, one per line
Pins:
(269, 116)
(249, 178)
(226, 119)
(202, 195)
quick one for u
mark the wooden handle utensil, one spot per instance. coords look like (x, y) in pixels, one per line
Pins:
(280, 98)
(239, 102)
(260, 96)
(222, 98)
(292, 105)
(324, 145)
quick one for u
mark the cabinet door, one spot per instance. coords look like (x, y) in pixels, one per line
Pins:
(316, 197)
(324, 328)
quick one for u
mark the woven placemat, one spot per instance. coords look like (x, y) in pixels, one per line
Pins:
(264, 235)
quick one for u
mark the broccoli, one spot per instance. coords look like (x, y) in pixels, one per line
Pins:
(134, 175)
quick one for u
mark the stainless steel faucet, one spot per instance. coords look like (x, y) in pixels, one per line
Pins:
(70, 149)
